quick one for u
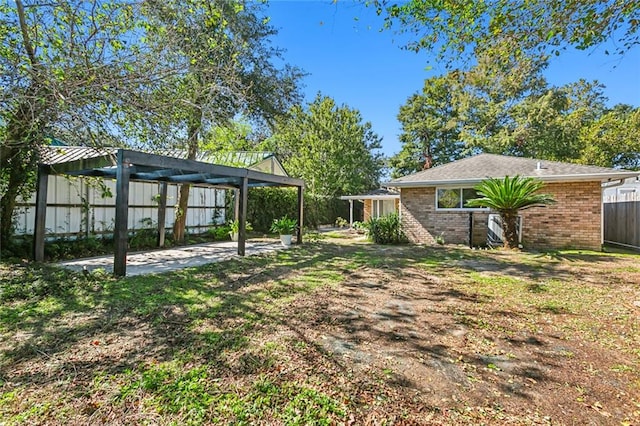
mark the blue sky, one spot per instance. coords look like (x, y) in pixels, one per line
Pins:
(350, 60)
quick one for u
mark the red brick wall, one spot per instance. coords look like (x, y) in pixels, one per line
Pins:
(573, 222)
(367, 210)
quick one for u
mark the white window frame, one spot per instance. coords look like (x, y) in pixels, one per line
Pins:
(457, 209)
(377, 207)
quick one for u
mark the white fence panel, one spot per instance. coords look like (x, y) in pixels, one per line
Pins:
(77, 206)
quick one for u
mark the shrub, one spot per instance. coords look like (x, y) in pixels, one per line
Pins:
(360, 227)
(386, 230)
(220, 233)
(341, 222)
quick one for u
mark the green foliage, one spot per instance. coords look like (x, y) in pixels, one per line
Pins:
(310, 407)
(507, 196)
(386, 230)
(612, 139)
(498, 101)
(267, 204)
(67, 248)
(225, 67)
(329, 147)
(430, 130)
(234, 227)
(312, 236)
(176, 391)
(360, 227)
(284, 226)
(508, 108)
(32, 282)
(236, 136)
(40, 80)
(460, 29)
(220, 233)
(510, 193)
(341, 222)
(153, 74)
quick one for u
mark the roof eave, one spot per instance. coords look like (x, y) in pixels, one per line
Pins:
(602, 177)
(371, 197)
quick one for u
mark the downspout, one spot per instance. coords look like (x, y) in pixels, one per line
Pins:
(471, 230)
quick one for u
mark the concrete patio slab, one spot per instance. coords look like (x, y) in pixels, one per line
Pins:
(159, 261)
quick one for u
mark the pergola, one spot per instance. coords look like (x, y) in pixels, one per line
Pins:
(128, 165)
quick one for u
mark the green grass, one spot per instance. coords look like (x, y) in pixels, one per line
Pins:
(191, 396)
(214, 344)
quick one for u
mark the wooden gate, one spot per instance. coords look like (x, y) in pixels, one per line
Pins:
(622, 220)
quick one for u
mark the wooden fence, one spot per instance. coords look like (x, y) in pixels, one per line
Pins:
(622, 220)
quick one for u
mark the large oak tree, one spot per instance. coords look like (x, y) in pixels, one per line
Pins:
(67, 69)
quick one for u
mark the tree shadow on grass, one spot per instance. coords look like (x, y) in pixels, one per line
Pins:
(210, 314)
(165, 309)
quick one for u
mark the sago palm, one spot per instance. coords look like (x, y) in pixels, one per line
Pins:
(507, 196)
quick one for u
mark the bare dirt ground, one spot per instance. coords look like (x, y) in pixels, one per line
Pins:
(452, 354)
(368, 334)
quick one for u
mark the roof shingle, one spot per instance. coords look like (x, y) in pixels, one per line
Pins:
(482, 166)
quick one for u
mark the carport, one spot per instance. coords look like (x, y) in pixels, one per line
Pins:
(125, 166)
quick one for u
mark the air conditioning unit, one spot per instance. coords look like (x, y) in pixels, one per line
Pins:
(495, 233)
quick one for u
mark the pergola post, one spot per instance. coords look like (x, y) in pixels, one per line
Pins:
(300, 214)
(350, 213)
(87, 210)
(242, 215)
(236, 204)
(121, 230)
(162, 212)
(41, 213)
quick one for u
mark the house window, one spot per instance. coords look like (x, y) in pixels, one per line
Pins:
(455, 198)
(382, 207)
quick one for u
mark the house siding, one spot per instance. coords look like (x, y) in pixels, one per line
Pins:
(573, 222)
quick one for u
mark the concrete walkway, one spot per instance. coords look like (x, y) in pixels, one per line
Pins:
(159, 261)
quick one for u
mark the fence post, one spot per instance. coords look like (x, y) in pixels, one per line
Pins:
(41, 213)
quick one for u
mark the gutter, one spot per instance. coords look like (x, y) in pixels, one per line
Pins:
(603, 177)
(370, 197)
(614, 184)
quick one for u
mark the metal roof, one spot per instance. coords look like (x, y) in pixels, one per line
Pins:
(255, 160)
(472, 170)
(153, 167)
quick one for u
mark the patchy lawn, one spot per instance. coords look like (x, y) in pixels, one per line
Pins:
(334, 332)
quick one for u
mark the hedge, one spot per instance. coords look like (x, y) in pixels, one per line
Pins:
(266, 204)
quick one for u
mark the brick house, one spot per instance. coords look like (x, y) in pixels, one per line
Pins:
(432, 202)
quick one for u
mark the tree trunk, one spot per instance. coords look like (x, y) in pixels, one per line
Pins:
(510, 229)
(180, 223)
(19, 159)
(19, 153)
